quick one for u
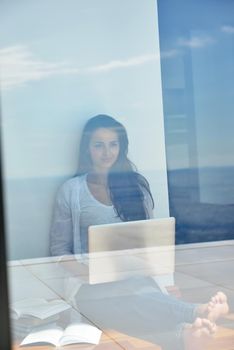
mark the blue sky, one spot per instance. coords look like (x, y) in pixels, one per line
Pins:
(201, 72)
(64, 61)
(55, 54)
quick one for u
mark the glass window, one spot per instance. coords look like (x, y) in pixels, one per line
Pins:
(58, 72)
(196, 41)
(86, 246)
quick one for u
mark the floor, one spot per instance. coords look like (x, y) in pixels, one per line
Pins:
(200, 271)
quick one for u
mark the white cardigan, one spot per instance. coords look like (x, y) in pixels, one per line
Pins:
(66, 233)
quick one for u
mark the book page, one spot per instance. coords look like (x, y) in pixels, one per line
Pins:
(81, 333)
(39, 307)
(19, 306)
(50, 336)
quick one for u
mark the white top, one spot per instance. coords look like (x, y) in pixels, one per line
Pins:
(75, 210)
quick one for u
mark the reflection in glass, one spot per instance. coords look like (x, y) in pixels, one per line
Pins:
(53, 79)
(198, 92)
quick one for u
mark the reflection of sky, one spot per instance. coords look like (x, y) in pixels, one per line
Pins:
(54, 62)
(62, 62)
(198, 81)
(51, 59)
(57, 42)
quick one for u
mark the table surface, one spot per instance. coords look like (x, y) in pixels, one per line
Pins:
(201, 270)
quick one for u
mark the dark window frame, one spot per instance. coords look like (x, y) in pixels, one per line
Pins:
(5, 334)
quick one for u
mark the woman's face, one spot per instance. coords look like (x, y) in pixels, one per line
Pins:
(104, 149)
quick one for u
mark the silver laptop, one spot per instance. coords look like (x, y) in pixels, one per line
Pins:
(122, 250)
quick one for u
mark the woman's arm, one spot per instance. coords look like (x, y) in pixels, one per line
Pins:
(61, 234)
(148, 204)
(148, 199)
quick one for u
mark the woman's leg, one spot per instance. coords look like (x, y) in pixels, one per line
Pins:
(136, 307)
(143, 297)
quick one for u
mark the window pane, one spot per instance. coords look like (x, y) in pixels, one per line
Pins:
(197, 40)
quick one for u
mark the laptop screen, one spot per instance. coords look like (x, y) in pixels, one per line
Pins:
(132, 234)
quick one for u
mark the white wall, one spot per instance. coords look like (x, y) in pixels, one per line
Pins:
(58, 69)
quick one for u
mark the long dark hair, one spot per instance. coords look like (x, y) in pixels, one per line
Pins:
(127, 187)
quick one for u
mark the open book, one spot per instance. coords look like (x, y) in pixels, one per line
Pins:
(74, 333)
(37, 307)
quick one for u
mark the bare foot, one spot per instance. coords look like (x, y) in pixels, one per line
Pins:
(217, 307)
(197, 335)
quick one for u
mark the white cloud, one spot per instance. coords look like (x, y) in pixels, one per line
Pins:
(169, 53)
(196, 41)
(19, 66)
(133, 61)
(228, 29)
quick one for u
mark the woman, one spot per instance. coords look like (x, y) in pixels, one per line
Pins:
(108, 189)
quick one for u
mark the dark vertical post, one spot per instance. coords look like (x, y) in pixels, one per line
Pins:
(5, 341)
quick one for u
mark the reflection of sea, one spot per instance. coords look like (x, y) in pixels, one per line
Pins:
(30, 204)
(197, 200)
